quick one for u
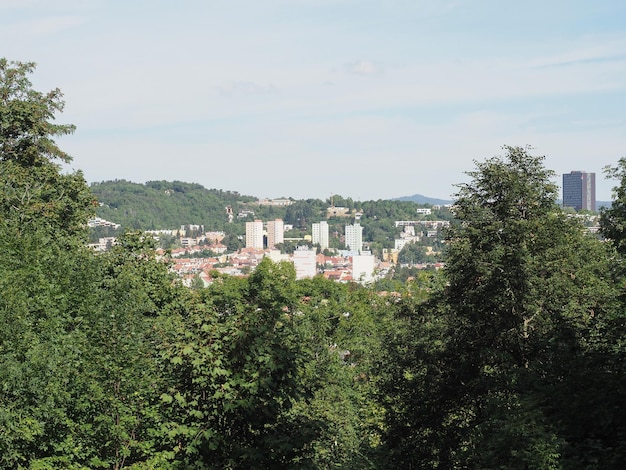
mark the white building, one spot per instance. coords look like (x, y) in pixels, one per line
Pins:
(319, 234)
(399, 243)
(275, 233)
(276, 256)
(304, 260)
(363, 268)
(354, 237)
(254, 234)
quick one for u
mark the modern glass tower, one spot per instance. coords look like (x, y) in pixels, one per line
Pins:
(579, 190)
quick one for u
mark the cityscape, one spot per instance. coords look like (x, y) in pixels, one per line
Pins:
(200, 254)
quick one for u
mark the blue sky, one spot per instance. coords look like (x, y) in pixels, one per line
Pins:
(369, 99)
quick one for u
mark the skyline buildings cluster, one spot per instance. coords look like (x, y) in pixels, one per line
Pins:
(274, 234)
(255, 234)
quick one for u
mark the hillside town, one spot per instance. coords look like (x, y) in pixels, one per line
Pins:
(198, 254)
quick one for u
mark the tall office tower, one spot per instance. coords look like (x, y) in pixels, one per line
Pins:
(319, 235)
(579, 190)
(354, 237)
(254, 234)
(275, 233)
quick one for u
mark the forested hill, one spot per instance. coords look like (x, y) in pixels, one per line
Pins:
(166, 205)
(163, 204)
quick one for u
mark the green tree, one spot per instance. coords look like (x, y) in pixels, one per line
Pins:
(33, 189)
(612, 219)
(527, 291)
(339, 331)
(26, 133)
(231, 363)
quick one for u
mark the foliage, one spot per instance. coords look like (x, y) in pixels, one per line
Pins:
(232, 362)
(26, 133)
(165, 205)
(477, 377)
(33, 190)
(340, 327)
(613, 219)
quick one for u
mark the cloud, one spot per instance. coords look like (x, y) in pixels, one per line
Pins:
(364, 67)
(246, 88)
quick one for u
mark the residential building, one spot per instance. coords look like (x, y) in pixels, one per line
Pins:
(319, 234)
(399, 243)
(579, 190)
(363, 268)
(254, 234)
(354, 237)
(275, 233)
(305, 262)
(275, 202)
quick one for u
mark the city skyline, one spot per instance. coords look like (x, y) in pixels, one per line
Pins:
(373, 99)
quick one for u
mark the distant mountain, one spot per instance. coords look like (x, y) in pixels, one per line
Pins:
(420, 199)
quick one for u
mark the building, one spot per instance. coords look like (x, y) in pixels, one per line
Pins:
(275, 233)
(579, 190)
(254, 234)
(305, 262)
(319, 234)
(363, 268)
(354, 237)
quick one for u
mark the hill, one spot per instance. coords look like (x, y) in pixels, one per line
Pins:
(166, 205)
(421, 199)
(163, 204)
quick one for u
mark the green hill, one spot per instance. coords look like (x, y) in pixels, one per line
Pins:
(165, 205)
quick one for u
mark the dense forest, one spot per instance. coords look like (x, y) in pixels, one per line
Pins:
(512, 357)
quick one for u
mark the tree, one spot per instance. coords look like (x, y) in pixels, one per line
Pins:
(231, 362)
(232, 242)
(412, 254)
(25, 129)
(527, 292)
(613, 218)
(33, 190)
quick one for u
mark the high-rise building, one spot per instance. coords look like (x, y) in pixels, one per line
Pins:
(579, 190)
(354, 237)
(275, 233)
(319, 235)
(254, 234)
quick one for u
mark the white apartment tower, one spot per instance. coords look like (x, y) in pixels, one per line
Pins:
(319, 235)
(275, 233)
(354, 237)
(254, 234)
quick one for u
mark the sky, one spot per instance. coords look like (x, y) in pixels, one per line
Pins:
(368, 99)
